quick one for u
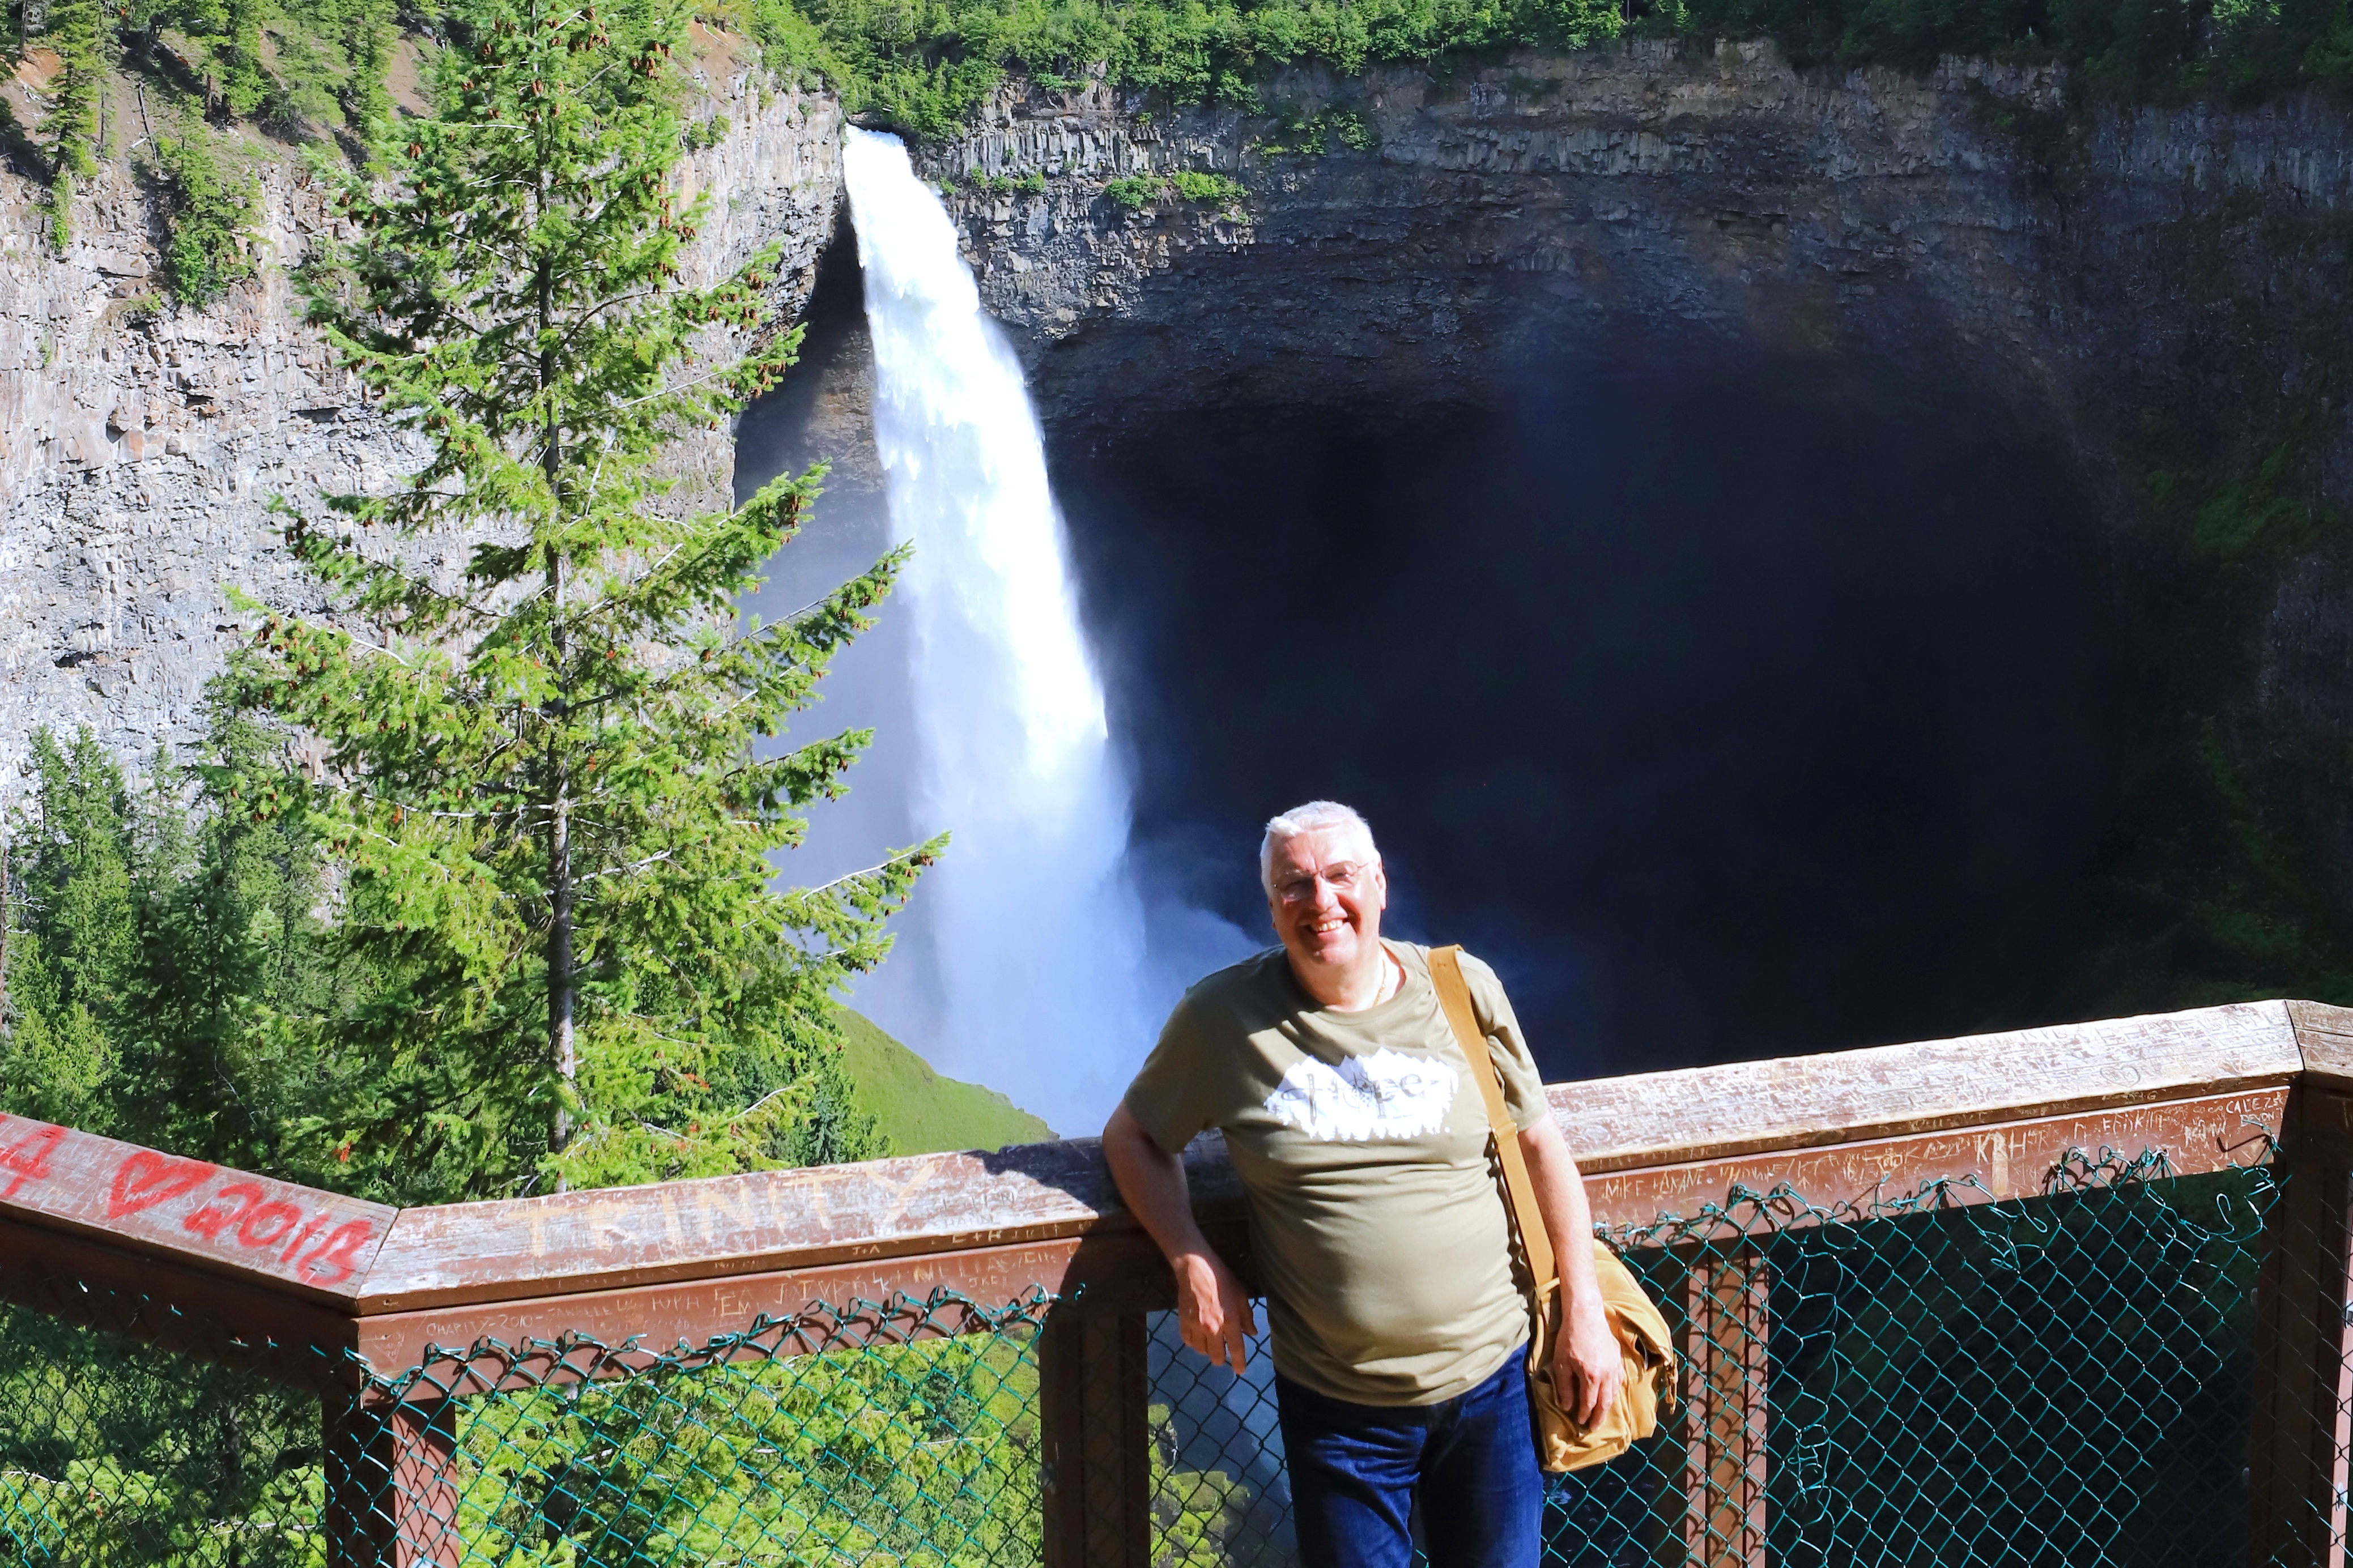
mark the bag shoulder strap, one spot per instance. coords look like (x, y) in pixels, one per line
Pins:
(1454, 996)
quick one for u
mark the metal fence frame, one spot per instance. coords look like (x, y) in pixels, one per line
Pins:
(302, 1282)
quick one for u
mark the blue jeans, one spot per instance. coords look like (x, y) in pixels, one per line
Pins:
(1357, 1469)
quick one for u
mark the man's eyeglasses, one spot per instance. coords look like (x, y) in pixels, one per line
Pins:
(1344, 877)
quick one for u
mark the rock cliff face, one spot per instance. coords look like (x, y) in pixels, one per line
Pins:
(2150, 290)
(140, 443)
(2159, 294)
(1651, 197)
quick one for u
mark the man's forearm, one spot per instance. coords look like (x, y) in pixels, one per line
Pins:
(1151, 1182)
(1213, 1310)
(1568, 1218)
(1588, 1368)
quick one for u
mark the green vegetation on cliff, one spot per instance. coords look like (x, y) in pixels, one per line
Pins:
(2133, 50)
(924, 67)
(207, 214)
(2214, 887)
(310, 69)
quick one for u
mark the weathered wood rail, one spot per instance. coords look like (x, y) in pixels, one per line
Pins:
(306, 1279)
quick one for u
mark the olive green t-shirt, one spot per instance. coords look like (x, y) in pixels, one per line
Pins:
(1361, 1142)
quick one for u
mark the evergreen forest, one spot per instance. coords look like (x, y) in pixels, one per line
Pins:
(469, 890)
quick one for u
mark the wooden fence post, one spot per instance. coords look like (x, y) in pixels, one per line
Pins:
(2303, 1395)
(1097, 1441)
(1726, 1315)
(391, 1502)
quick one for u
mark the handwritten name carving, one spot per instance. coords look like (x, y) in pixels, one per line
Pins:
(1741, 1107)
(2019, 1160)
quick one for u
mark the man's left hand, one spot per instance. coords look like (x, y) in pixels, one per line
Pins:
(1588, 1367)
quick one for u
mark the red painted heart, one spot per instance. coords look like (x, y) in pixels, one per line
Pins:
(147, 1178)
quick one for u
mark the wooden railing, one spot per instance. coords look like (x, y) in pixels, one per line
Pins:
(310, 1280)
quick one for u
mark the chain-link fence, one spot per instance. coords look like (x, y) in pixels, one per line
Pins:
(1905, 1379)
(1895, 1379)
(853, 1434)
(115, 1453)
(870, 1433)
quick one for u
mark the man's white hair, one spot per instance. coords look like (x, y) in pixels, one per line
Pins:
(1308, 818)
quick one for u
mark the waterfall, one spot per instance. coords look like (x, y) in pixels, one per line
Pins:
(1039, 983)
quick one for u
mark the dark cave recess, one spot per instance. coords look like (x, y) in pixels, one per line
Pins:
(1731, 710)
(1733, 707)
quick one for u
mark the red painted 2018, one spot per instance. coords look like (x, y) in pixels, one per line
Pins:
(80, 1179)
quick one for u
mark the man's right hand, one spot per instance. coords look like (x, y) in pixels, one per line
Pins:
(1213, 1309)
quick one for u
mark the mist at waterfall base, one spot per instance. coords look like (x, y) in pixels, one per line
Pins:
(1033, 960)
(1729, 715)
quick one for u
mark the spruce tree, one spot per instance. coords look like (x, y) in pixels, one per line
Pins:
(73, 948)
(77, 30)
(147, 932)
(540, 776)
(244, 85)
(367, 35)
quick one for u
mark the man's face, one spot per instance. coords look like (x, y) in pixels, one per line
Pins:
(1328, 896)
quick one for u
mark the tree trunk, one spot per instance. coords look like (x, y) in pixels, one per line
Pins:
(560, 985)
(561, 980)
(4, 908)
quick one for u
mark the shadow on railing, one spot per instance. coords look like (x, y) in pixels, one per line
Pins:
(2072, 1294)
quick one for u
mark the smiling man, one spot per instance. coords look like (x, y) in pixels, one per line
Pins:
(1377, 1225)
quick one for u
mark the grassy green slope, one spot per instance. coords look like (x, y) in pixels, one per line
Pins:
(922, 1112)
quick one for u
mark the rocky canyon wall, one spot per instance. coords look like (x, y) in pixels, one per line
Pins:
(2146, 289)
(140, 442)
(2159, 294)
(1654, 194)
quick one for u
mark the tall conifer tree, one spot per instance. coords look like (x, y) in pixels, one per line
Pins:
(77, 30)
(540, 776)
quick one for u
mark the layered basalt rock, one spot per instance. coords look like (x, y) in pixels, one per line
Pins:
(1637, 198)
(2159, 294)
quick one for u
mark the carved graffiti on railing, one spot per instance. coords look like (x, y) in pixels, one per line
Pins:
(2208, 1132)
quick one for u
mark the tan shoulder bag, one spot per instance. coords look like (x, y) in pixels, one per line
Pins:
(1561, 1443)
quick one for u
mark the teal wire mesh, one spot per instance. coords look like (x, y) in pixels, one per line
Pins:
(1219, 1495)
(1915, 1378)
(1919, 1379)
(905, 1432)
(113, 1452)
(835, 1435)
(1898, 1379)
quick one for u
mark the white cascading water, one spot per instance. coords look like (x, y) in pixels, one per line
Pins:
(1041, 986)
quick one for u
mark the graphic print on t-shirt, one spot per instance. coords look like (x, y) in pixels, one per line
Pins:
(1384, 1095)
